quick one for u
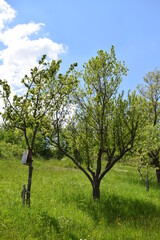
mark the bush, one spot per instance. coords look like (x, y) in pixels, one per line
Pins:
(8, 150)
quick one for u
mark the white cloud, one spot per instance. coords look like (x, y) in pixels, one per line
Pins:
(6, 13)
(21, 52)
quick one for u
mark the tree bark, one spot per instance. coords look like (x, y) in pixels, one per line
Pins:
(157, 165)
(147, 182)
(96, 189)
(147, 186)
(29, 178)
(158, 175)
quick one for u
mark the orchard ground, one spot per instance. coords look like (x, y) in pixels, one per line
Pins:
(62, 207)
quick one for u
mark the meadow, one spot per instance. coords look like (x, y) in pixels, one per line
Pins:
(62, 207)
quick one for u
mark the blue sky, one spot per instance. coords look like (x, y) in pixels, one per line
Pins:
(80, 29)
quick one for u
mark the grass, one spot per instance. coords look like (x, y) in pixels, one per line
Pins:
(62, 205)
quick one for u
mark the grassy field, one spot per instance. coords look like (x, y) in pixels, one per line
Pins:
(62, 205)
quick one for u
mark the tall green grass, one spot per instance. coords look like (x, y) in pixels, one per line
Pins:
(62, 205)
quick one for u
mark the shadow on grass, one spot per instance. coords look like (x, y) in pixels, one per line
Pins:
(52, 222)
(113, 207)
(49, 221)
(152, 183)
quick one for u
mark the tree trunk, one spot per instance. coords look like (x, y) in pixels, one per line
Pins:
(147, 186)
(158, 175)
(96, 189)
(29, 178)
(157, 165)
(147, 182)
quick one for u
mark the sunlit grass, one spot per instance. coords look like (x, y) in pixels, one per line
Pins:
(62, 205)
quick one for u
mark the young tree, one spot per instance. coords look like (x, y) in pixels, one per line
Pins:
(148, 139)
(45, 91)
(150, 90)
(145, 173)
(104, 126)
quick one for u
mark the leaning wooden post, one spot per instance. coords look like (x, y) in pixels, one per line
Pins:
(23, 194)
(29, 160)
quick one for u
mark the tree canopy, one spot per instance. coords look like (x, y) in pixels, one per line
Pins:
(45, 90)
(150, 90)
(104, 126)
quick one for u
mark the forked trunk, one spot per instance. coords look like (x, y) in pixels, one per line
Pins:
(29, 178)
(96, 189)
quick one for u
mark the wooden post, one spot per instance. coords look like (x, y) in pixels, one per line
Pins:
(29, 177)
(23, 194)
